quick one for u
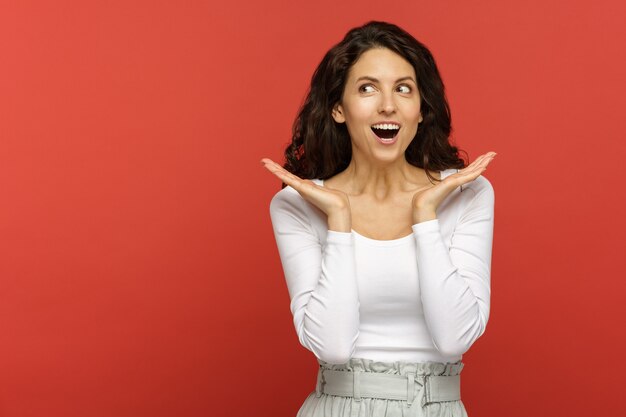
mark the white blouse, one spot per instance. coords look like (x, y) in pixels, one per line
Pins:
(422, 297)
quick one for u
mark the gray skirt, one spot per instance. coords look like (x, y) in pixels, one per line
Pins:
(325, 405)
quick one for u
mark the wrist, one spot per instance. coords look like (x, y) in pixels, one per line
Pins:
(340, 222)
(423, 215)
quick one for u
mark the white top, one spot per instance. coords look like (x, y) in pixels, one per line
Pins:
(422, 297)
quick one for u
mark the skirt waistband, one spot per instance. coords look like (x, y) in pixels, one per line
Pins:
(417, 383)
(397, 367)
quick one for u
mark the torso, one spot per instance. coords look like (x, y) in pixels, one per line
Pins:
(385, 218)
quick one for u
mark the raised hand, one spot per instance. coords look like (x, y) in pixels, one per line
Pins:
(427, 200)
(334, 203)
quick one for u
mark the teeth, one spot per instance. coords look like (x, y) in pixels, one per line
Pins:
(386, 126)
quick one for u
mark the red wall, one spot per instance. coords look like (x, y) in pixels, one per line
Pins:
(138, 270)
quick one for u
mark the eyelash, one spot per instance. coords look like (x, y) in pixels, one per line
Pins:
(404, 85)
(370, 85)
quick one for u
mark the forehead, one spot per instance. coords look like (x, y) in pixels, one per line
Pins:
(381, 63)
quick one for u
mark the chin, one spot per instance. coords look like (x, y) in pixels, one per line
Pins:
(388, 157)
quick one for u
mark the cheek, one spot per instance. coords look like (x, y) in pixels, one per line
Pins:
(413, 108)
(356, 130)
(359, 110)
(356, 116)
(412, 116)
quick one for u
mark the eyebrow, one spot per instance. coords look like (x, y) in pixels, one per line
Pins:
(367, 77)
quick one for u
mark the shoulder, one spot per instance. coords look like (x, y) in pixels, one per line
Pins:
(289, 199)
(475, 200)
(286, 199)
(479, 201)
(481, 187)
(288, 206)
(290, 213)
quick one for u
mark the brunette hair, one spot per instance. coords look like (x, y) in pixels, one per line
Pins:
(321, 147)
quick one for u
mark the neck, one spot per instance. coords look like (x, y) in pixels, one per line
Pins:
(381, 179)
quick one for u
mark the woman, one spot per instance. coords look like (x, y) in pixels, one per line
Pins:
(384, 235)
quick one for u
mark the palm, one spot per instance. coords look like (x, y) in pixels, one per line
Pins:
(431, 197)
(325, 199)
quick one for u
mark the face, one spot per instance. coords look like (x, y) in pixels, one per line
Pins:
(380, 106)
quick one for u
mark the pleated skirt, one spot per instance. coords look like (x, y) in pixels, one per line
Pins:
(338, 406)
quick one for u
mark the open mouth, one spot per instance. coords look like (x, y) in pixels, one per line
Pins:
(385, 130)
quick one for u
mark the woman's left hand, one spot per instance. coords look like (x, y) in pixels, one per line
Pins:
(427, 200)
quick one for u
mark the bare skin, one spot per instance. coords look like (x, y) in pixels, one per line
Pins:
(383, 219)
(379, 195)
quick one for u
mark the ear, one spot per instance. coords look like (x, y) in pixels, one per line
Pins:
(338, 114)
(421, 118)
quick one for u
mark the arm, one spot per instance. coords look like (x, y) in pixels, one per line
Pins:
(321, 279)
(455, 283)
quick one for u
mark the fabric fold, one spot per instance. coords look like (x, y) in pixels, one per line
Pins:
(339, 406)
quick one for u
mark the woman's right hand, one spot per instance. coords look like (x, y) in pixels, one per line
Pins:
(334, 203)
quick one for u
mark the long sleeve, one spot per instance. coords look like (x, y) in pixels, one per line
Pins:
(321, 279)
(455, 283)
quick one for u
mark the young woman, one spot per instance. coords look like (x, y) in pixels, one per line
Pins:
(384, 233)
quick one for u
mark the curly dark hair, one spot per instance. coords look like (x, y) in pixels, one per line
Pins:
(321, 147)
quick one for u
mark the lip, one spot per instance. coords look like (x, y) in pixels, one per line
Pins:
(386, 142)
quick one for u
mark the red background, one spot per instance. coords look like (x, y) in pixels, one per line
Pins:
(138, 270)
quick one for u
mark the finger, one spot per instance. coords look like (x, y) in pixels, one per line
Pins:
(279, 171)
(287, 177)
(486, 161)
(478, 160)
(470, 175)
(270, 164)
(276, 168)
(475, 171)
(470, 169)
(479, 164)
(272, 167)
(482, 158)
(294, 179)
(297, 183)
(471, 172)
(473, 165)
(281, 175)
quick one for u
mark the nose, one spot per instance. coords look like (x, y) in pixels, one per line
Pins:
(387, 104)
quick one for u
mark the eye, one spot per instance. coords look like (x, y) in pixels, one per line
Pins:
(405, 89)
(366, 88)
